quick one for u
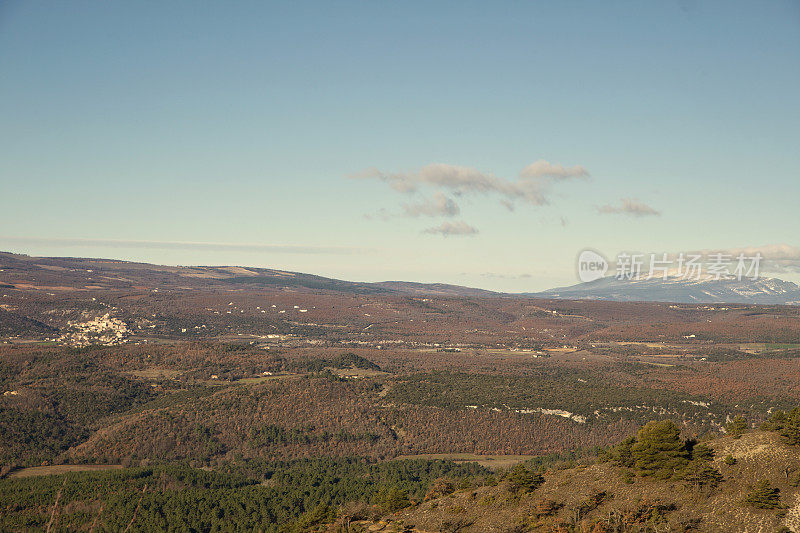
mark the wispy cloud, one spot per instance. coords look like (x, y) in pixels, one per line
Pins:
(629, 206)
(545, 169)
(531, 186)
(181, 245)
(497, 275)
(452, 228)
(769, 251)
(776, 257)
(438, 205)
(508, 204)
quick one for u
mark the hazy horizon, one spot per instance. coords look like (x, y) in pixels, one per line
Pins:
(459, 143)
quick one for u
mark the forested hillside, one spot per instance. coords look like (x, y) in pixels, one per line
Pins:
(219, 398)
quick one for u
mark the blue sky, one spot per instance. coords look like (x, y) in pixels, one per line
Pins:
(235, 126)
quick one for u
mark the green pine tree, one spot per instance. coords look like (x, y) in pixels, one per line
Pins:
(791, 427)
(392, 499)
(703, 451)
(622, 454)
(659, 451)
(736, 427)
(520, 479)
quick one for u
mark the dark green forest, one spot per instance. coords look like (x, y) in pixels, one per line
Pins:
(247, 496)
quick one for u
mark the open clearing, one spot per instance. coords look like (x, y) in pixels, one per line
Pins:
(489, 461)
(54, 470)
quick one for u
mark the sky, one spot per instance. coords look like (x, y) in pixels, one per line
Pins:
(477, 143)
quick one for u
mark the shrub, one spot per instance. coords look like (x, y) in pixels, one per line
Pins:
(440, 487)
(593, 502)
(546, 508)
(764, 496)
(700, 474)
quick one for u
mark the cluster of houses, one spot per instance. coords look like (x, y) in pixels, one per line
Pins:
(103, 330)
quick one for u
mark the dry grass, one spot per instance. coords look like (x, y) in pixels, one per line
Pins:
(759, 455)
(55, 470)
(489, 461)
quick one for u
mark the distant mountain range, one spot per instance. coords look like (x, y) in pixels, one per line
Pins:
(764, 291)
(51, 273)
(59, 273)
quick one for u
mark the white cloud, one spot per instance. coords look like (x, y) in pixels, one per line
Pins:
(399, 181)
(438, 205)
(531, 187)
(508, 204)
(768, 251)
(545, 169)
(452, 228)
(629, 206)
(776, 257)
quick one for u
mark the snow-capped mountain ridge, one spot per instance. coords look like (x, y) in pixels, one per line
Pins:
(681, 290)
